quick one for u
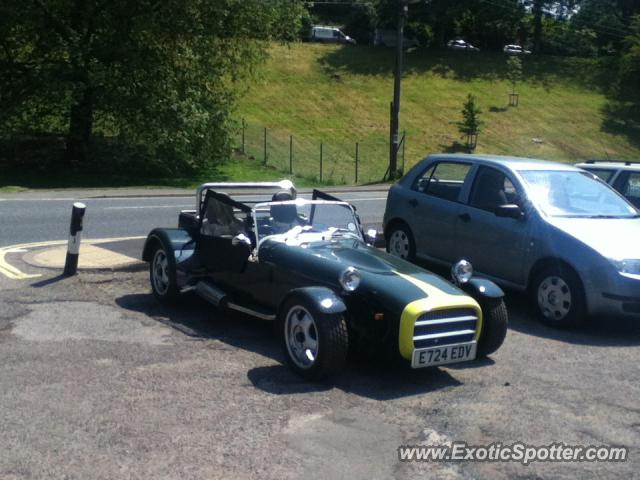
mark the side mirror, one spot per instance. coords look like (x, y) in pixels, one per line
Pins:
(509, 211)
(240, 239)
(370, 236)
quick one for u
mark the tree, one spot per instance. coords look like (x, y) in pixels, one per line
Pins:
(514, 74)
(629, 81)
(536, 10)
(470, 124)
(158, 76)
(606, 19)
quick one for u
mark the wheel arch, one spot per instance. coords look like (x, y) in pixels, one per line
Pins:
(324, 299)
(550, 262)
(150, 245)
(172, 239)
(394, 222)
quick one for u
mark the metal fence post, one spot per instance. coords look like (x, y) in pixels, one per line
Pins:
(404, 143)
(320, 162)
(75, 232)
(357, 153)
(264, 161)
(244, 126)
(290, 154)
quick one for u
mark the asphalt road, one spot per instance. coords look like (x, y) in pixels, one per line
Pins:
(34, 218)
(98, 381)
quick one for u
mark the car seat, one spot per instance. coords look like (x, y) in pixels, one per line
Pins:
(488, 192)
(283, 216)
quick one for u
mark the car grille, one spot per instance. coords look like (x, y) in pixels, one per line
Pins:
(445, 327)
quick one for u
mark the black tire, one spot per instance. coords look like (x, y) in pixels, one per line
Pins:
(400, 242)
(165, 289)
(331, 336)
(494, 326)
(559, 296)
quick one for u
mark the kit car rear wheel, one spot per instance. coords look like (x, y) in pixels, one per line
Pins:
(162, 275)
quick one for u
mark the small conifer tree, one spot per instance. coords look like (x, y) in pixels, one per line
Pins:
(470, 124)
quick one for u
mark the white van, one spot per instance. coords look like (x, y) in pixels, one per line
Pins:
(330, 34)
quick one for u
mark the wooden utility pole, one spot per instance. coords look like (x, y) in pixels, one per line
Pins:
(394, 124)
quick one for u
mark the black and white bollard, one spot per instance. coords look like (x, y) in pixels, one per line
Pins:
(75, 232)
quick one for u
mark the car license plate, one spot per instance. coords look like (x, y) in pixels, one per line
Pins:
(428, 357)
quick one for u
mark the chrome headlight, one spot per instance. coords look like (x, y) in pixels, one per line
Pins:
(462, 272)
(350, 279)
(627, 267)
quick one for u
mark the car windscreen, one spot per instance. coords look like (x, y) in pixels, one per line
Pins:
(275, 218)
(575, 194)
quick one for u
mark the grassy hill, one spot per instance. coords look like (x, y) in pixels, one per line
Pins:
(340, 95)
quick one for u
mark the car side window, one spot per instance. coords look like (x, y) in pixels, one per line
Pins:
(443, 180)
(629, 186)
(491, 189)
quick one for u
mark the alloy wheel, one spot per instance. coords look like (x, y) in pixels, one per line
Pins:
(160, 272)
(301, 336)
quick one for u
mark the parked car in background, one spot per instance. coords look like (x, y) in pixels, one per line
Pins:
(330, 35)
(622, 175)
(461, 45)
(550, 229)
(388, 38)
(308, 266)
(515, 50)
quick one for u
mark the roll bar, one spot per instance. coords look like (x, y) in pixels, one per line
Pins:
(275, 186)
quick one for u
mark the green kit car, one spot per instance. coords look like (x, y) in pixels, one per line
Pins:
(308, 266)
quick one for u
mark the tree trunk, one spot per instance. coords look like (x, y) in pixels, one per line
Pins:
(80, 126)
(537, 24)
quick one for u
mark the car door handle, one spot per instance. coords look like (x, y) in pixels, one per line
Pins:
(413, 202)
(465, 217)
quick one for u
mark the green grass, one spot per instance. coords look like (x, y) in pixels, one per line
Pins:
(340, 96)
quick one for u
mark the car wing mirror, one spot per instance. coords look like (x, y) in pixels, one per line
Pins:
(509, 211)
(370, 236)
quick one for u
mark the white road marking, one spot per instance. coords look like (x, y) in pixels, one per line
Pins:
(142, 207)
(89, 199)
(146, 206)
(365, 199)
(92, 199)
(13, 273)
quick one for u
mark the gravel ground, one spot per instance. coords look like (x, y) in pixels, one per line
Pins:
(98, 381)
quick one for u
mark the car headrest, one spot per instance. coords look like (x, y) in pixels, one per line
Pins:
(281, 196)
(287, 213)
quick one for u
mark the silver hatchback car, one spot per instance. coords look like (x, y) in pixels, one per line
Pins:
(551, 229)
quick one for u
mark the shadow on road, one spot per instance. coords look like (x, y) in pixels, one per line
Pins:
(49, 281)
(601, 331)
(378, 382)
(604, 332)
(369, 378)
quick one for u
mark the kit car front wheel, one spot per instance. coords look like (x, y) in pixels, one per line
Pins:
(314, 343)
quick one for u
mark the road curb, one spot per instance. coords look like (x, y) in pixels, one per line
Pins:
(85, 194)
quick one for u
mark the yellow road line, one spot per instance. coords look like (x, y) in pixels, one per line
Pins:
(13, 273)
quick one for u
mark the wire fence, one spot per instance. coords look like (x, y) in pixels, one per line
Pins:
(330, 161)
